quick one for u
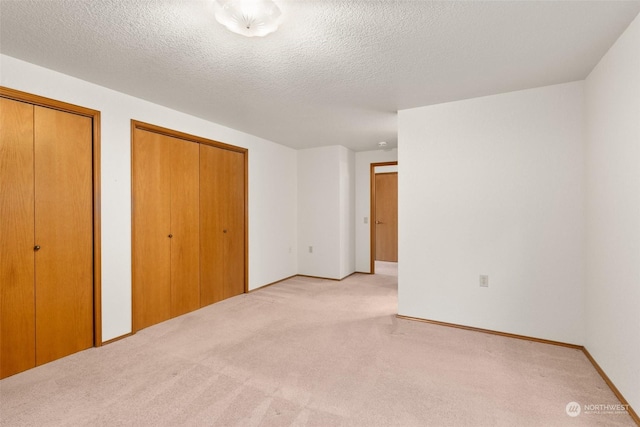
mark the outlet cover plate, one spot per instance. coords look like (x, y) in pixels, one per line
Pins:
(484, 281)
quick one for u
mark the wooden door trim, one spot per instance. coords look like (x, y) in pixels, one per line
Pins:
(372, 212)
(246, 221)
(94, 115)
(136, 124)
(133, 230)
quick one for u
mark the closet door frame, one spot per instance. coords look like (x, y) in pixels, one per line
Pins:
(94, 115)
(135, 124)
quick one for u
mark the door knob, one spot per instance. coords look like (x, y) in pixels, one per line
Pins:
(379, 222)
(36, 248)
(224, 231)
(170, 235)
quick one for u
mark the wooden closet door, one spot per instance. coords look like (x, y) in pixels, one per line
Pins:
(64, 232)
(17, 286)
(234, 217)
(151, 229)
(185, 226)
(211, 226)
(222, 222)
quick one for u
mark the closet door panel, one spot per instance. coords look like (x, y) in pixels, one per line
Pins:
(211, 225)
(234, 219)
(17, 289)
(64, 232)
(185, 227)
(151, 229)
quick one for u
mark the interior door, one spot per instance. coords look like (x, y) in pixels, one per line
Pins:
(17, 257)
(386, 216)
(234, 216)
(222, 223)
(64, 233)
(185, 226)
(211, 225)
(151, 229)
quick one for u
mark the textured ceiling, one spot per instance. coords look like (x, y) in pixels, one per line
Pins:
(336, 71)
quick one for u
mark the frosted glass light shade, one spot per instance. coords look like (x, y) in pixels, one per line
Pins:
(248, 17)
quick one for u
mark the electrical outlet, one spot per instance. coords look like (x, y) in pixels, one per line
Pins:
(310, 249)
(484, 281)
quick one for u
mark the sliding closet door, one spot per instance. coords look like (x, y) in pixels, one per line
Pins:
(151, 229)
(17, 289)
(64, 233)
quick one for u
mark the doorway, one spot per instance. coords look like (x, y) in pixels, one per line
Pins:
(384, 213)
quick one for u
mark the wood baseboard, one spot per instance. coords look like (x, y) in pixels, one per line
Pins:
(329, 278)
(632, 413)
(317, 277)
(489, 331)
(612, 386)
(303, 275)
(272, 283)
(121, 337)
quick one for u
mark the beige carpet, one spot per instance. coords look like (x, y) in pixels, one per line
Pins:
(309, 352)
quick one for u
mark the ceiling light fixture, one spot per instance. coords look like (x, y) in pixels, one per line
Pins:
(382, 145)
(251, 18)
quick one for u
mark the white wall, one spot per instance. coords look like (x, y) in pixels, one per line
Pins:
(347, 212)
(273, 213)
(386, 169)
(494, 186)
(272, 183)
(325, 212)
(613, 213)
(363, 160)
(318, 212)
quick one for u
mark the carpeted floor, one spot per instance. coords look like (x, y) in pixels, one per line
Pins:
(310, 352)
